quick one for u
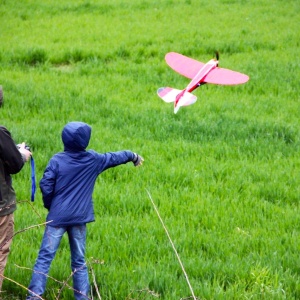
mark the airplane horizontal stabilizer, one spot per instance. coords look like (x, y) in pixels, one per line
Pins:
(179, 97)
(168, 94)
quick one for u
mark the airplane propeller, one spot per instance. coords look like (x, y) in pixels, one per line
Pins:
(217, 57)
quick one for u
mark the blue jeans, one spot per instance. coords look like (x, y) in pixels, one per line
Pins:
(50, 243)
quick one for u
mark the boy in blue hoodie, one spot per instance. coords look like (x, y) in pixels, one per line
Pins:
(67, 187)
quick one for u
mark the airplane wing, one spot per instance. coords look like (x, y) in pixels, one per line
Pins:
(225, 77)
(189, 67)
(183, 65)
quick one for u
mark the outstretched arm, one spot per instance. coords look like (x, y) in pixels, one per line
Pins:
(113, 159)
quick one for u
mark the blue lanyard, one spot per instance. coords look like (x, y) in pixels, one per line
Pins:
(33, 187)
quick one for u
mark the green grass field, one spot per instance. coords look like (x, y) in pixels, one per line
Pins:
(224, 172)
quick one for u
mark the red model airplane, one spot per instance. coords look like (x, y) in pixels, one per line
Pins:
(200, 74)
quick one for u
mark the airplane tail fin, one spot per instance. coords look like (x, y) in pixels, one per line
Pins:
(168, 95)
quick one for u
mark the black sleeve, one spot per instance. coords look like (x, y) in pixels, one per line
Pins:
(9, 153)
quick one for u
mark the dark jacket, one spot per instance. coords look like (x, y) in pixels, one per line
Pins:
(11, 162)
(68, 181)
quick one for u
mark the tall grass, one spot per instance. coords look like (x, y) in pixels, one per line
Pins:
(224, 172)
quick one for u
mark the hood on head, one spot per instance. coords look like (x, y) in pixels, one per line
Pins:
(76, 136)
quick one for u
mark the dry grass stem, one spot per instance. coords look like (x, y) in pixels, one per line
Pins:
(173, 246)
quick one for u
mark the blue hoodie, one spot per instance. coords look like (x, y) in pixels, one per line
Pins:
(68, 181)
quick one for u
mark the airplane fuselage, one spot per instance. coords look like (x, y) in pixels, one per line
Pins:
(197, 80)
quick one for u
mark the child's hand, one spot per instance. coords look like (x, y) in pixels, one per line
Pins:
(138, 160)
